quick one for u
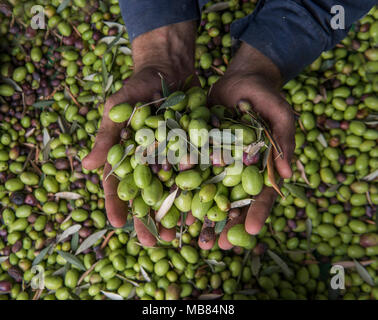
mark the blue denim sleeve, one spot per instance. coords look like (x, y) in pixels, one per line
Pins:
(293, 33)
(141, 16)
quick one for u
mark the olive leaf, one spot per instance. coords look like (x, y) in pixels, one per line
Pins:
(254, 148)
(248, 292)
(68, 232)
(125, 154)
(110, 24)
(308, 232)
(46, 144)
(145, 274)
(164, 86)
(302, 171)
(187, 82)
(75, 241)
(296, 191)
(271, 173)
(371, 176)
(90, 77)
(255, 265)
(219, 226)
(3, 258)
(183, 219)
(112, 40)
(166, 205)
(213, 262)
(150, 224)
(322, 140)
(282, 264)
(217, 7)
(43, 104)
(363, 273)
(68, 195)
(105, 74)
(241, 203)
(178, 116)
(90, 241)
(217, 178)
(351, 264)
(171, 101)
(129, 226)
(172, 124)
(111, 295)
(42, 254)
(210, 296)
(266, 156)
(267, 271)
(135, 284)
(125, 50)
(71, 259)
(12, 83)
(63, 6)
(61, 271)
(109, 83)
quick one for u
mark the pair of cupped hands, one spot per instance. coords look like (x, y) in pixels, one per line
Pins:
(169, 52)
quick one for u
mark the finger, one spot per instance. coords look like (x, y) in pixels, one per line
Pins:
(107, 135)
(206, 245)
(167, 234)
(223, 242)
(284, 134)
(259, 210)
(144, 236)
(116, 209)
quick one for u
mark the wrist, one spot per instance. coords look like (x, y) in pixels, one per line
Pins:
(169, 49)
(250, 61)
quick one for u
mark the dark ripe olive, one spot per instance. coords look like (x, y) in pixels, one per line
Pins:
(291, 223)
(17, 198)
(62, 164)
(84, 232)
(30, 200)
(15, 273)
(32, 218)
(95, 178)
(301, 212)
(17, 246)
(6, 251)
(100, 254)
(207, 234)
(3, 233)
(5, 286)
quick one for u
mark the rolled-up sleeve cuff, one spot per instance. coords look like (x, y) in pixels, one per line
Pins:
(284, 32)
(141, 16)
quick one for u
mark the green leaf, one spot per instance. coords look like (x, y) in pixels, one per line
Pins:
(172, 101)
(296, 191)
(164, 86)
(363, 273)
(72, 259)
(63, 6)
(114, 41)
(308, 232)
(282, 264)
(129, 226)
(112, 296)
(255, 265)
(41, 255)
(105, 74)
(42, 104)
(68, 232)
(12, 83)
(90, 241)
(149, 223)
(219, 226)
